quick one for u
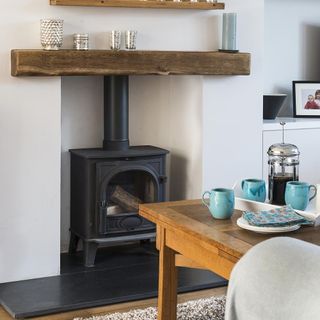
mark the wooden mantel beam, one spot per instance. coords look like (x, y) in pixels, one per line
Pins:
(158, 4)
(107, 62)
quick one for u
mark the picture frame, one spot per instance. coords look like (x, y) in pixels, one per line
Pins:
(306, 99)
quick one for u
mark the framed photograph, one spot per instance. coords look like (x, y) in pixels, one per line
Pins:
(306, 99)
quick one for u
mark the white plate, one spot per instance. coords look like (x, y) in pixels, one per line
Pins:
(244, 224)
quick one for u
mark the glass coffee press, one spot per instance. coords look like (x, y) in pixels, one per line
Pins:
(283, 164)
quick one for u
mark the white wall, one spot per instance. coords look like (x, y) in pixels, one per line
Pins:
(167, 112)
(81, 123)
(164, 111)
(292, 45)
(190, 112)
(30, 147)
(232, 108)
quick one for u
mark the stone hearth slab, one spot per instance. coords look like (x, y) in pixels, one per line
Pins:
(121, 274)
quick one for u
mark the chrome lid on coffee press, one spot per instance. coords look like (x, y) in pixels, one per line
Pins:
(284, 150)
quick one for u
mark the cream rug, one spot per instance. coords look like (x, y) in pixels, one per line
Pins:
(202, 309)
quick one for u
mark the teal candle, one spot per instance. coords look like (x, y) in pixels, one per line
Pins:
(229, 31)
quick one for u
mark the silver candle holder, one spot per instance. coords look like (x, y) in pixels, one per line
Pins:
(115, 40)
(131, 39)
(51, 33)
(81, 41)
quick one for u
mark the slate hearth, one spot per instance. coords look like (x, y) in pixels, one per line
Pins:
(120, 274)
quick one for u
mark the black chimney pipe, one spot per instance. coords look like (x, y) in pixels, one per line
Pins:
(116, 112)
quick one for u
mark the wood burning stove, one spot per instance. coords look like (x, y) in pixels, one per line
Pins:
(107, 184)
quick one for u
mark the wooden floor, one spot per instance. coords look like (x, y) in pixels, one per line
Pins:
(121, 307)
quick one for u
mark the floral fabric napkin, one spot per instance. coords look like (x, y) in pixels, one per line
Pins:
(279, 217)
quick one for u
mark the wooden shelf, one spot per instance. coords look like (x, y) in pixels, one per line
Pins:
(140, 4)
(107, 62)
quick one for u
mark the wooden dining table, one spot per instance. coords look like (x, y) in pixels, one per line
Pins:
(188, 236)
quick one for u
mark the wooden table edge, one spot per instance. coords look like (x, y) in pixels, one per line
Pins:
(150, 215)
(218, 257)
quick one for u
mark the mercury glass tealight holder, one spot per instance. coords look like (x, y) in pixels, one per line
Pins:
(115, 40)
(131, 39)
(51, 33)
(81, 41)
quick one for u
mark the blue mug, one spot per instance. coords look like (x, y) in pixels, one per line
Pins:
(254, 189)
(221, 202)
(297, 194)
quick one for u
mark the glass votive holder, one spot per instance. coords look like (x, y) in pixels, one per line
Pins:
(51, 33)
(131, 39)
(115, 40)
(81, 41)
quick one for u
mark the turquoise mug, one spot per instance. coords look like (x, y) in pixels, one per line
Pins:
(221, 202)
(297, 194)
(254, 189)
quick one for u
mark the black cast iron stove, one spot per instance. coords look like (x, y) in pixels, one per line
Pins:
(108, 183)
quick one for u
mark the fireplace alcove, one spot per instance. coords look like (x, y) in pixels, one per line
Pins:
(108, 183)
(121, 63)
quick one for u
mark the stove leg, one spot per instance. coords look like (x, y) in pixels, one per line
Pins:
(89, 250)
(73, 244)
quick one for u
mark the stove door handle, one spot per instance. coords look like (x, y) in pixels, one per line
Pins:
(103, 211)
(102, 204)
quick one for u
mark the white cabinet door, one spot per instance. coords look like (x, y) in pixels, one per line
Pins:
(308, 142)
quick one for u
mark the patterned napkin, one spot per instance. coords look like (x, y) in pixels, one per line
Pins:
(279, 217)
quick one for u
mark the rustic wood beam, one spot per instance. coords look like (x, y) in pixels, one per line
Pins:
(107, 62)
(203, 5)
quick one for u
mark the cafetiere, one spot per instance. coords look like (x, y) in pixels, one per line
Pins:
(283, 162)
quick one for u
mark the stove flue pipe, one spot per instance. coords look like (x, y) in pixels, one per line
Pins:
(116, 112)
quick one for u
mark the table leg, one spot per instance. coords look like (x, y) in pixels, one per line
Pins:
(167, 294)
